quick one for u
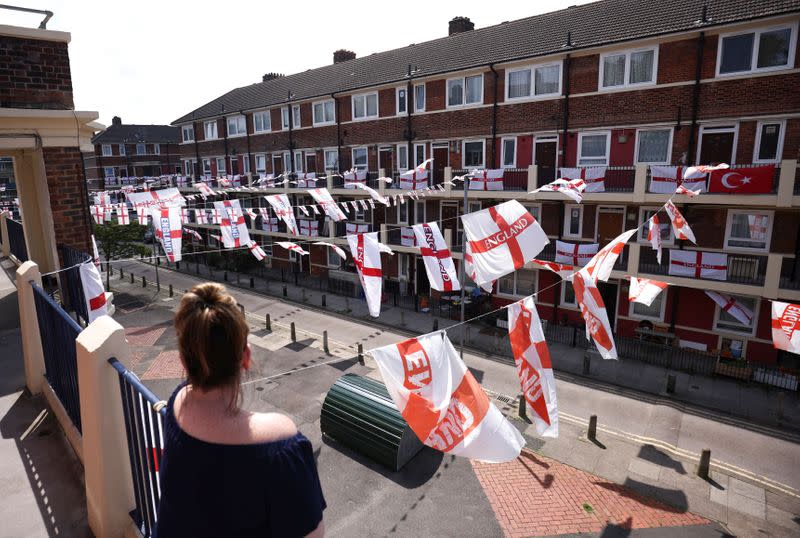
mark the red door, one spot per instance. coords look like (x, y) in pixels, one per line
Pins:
(441, 159)
(545, 160)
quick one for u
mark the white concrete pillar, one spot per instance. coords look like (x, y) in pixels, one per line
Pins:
(640, 183)
(381, 184)
(533, 177)
(109, 486)
(5, 248)
(448, 177)
(772, 278)
(32, 353)
(786, 182)
(37, 216)
(384, 234)
(329, 180)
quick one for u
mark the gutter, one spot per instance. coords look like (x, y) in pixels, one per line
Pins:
(249, 153)
(690, 157)
(494, 117)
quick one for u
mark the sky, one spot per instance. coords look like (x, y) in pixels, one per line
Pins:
(151, 62)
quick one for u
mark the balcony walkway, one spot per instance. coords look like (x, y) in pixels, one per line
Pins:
(41, 478)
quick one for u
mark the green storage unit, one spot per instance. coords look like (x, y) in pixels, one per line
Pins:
(359, 413)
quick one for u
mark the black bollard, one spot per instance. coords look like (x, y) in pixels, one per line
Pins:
(325, 342)
(225, 276)
(284, 291)
(591, 433)
(435, 324)
(144, 282)
(252, 282)
(131, 278)
(293, 332)
(704, 466)
(170, 290)
(360, 353)
(670, 384)
(324, 301)
(523, 408)
(121, 273)
(269, 323)
(586, 364)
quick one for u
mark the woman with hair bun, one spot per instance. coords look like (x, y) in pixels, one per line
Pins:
(226, 471)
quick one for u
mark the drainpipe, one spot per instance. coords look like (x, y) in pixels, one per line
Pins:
(225, 130)
(196, 152)
(701, 42)
(494, 117)
(565, 124)
(409, 133)
(291, 142)
(338, 135)
(560, 160)
(250, 162)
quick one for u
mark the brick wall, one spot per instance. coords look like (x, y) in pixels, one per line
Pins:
(34, 74)
(67, 197)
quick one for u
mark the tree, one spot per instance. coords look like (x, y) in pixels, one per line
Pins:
(115, 241)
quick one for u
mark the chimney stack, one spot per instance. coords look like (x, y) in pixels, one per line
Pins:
(343, 55)
(270, 76)
(459, 25)
(116, 120)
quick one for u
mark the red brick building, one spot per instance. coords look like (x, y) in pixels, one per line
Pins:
(618, 83)
(132, 151)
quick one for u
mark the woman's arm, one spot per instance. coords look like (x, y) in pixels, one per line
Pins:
(319, 532)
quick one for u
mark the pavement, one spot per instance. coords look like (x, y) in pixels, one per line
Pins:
(636, 479)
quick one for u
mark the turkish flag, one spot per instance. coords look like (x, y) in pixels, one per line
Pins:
(755, 180)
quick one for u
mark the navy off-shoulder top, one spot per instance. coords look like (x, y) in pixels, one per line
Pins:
(209, 489)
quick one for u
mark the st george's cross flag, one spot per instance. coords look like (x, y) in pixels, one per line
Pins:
(283, 210)
(679, 224)
(168, 230)
(161, 198)
(122, 214)
(786, 326)
(294, 247)
(486, 180)
(654, 235)
(593, 311)
(502, 239)
(366, 251)
(353, 178)
(416, 178)
(215, 216)
(733, 307)
(534, 368)
(193, 233)
(324, 199)
(594, 177)
(469, 268)
(141, 214)
(269, 224)
(575, 253)
(572, 188)
(93, 291)
(442, 402)
(256, 249)
(645, 290)
(373, 194)
(336, 248)
(98, 213)
(601, 265)
(185, 215)
(204, 189)
(407, 238)
(308, 227)
(200, 216)
(306, 180)
(436, 257)
(563, 270)
(355, 228)
(232, 224)
(690, 193)
(698, 264)
(667, 179)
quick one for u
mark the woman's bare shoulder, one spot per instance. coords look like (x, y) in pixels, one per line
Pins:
(269, 427)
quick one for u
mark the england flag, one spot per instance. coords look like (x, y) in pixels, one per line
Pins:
(233, 226)
(436, 257)
(366, 252)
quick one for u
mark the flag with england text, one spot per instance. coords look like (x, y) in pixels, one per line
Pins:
(436, 257)
(645, 290)
(786, 326)
(366, 252)
(593, 311)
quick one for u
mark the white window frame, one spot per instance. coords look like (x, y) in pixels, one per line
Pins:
(335, 153)
(563, 301)
(336, 257)
(156, 149)
(324, 121)
(403, 263)
(567, 209)
(669, 145)
(662, 220)
(464, 153)
(263, 158)
(756, 44)
(401, 220)
(729, 224)
(299, 160)
(515, 291)
(715, 129)
(284, 118)
(187, 129)
(206, 125)
(296, 118)
(727, 331)
(106, 151)
(463, 102)
(538, 207)
(781, 138)
(121, 149)
(424, 147)
(417, 205)
(203, 164)
(143, 147)
(353, 157)
(627, 84)
(236, 122)
(402, 147)
(224, 170)
(397, 100)
(417, 107)
(503, 152)
(532, 95)
(106, 169)
(266, 121)
(245, 163)
(580, 156)
(365, 96)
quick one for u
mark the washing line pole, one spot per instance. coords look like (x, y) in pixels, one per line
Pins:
(462, 270)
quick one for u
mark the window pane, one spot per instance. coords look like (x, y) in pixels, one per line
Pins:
(593, 146)
(642, 66)
(526, 282)
(770, 134)
(509, 147)
(474, 89)
(455, 92)
(372, 105)
(318, 116)
(419, 154)
(773, 48)
(519, 83)
(737, 53)
(574, 221)
(506, 284)
(402, 157)
(652, 311)
(473, 154)
(731, 322)
(330, 111)
(547, 79)
(653, 146)
(613, 70)
(401, 100)
(749, 231)
(666, 228)
(419, 97)
(360, 157)
(569, 292)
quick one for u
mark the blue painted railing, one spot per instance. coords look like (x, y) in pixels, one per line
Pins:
(58, 332)
(16, 240)
(144, 418)
(72, 289)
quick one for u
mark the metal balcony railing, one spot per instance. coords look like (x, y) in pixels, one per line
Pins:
(742, 268)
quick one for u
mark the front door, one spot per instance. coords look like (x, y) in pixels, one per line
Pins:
(450, 221)
(608, 291)
(545, 159)
(311, 162)
(610, 222)
(277, 165)
(716, 147)
(423, 285)
(385, 160)
(441, 159)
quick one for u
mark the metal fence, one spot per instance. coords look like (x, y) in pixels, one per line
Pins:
(71, 288)
(58, 333)
(144, 427)
(742, 268)
(16, 240)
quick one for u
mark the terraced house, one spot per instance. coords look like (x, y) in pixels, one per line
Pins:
(621, 84)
